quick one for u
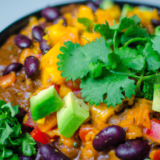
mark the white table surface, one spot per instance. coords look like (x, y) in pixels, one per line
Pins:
(12, 10)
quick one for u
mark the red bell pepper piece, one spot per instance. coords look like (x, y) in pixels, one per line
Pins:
(154, 132)
(57, 87)
(83, 131)
(39, 136)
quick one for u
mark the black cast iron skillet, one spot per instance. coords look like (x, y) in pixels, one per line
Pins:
(15, 27)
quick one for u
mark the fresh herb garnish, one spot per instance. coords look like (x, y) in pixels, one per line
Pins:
(75, 144)
(12, 141)
(115, 66)
(87, 23)
(10, 48)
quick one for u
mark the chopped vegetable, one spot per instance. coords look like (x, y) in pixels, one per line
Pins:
(8, 80)
(45, 102)
(72, 115)
(154, 132)
(12, 141)
(39, 136)
(156, 98)
(117, 73)
(155, 154)
(125, 10)
(106, 4)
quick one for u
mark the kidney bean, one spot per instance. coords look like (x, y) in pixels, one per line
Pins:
(51, 153)
(58, 18)
(133, 149)
(37, 33)
(22, 41)
(12, 67)
(44, 46)
(31, 65)
(50, 13)
(109, 137)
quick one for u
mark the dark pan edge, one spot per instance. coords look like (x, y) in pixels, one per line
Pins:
(15, 27)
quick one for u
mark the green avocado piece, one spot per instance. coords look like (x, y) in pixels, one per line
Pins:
(44, 103)
(156, 98)
(106, 4)
(71, 115)
(125, 10)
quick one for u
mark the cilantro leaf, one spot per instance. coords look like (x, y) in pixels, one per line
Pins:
(12, 141)
(104, 30)
(116, 39)
(95, 69)
(86, 22)
(130, 58)
(5, 132)
(98, 49)
(14, 157)
(111, 85)
(126, 23)
(152, 58)
(6, 153)
(2, 103)
(14, 110)
(155, 44)
(28, 145)
(134, 32)
(75, 61)
(147, 91)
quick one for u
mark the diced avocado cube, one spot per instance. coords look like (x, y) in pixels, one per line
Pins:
(125, 10)
(106, 4)
(72, 115)
(156, 98)
(44, 103)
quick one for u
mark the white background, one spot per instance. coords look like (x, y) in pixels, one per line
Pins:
(12, 10)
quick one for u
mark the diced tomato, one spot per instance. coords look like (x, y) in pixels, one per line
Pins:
(154, 132)
(27, 120)
(39, 136)
(84, 129)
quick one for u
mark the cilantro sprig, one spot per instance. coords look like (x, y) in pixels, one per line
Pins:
(125, 61)
(12, 141)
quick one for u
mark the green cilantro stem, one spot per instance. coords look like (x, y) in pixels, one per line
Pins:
(151, 76)
(135, 40)
(126, 74)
